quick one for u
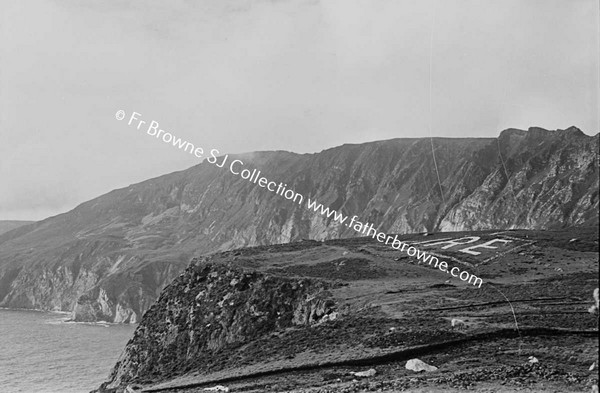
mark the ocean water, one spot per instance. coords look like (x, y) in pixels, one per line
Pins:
(42, 353)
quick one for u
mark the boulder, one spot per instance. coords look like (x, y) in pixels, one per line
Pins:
(418, 365)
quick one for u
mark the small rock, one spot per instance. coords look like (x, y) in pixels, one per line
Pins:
(218, 388)
(593, 366)
(418, 365)
(331, 317)
(364, 374)
(533, 359)
(595, 389)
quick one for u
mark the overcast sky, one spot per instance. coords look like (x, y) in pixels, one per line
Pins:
(263, 75)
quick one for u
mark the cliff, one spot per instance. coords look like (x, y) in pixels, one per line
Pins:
(219, 308)
(109, 258)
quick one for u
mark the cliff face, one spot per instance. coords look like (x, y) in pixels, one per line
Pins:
(109, 258)
(211, 308)
(552, 181)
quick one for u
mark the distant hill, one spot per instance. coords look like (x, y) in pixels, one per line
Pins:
(110, 257)
(9, 225)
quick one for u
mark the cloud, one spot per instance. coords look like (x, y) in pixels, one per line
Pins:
(267, 75)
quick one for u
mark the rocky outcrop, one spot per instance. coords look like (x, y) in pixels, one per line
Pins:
(101, 308)
(212, 307)
(550, 183)
(110, 257)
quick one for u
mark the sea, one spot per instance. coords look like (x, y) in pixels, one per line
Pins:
(42, 352)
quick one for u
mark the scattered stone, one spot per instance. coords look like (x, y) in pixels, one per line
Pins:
(458, 324)
(596, 307)
(218, 388)
(418, 365)
(364, 374)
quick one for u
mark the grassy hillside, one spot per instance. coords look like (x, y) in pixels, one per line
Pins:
(303, 315)
(9, 225)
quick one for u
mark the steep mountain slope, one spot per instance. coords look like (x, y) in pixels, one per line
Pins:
(9, 225)
(110, 257)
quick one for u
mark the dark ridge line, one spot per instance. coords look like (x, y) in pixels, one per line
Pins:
(500, 302)
(566, 303)
(389, 357)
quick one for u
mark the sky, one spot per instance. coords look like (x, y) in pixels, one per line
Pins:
(259, 75)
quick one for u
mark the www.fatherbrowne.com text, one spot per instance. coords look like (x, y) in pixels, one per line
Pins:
(253, 175)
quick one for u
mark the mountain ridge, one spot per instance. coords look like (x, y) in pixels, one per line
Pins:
(108, 258)
(9, 225)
